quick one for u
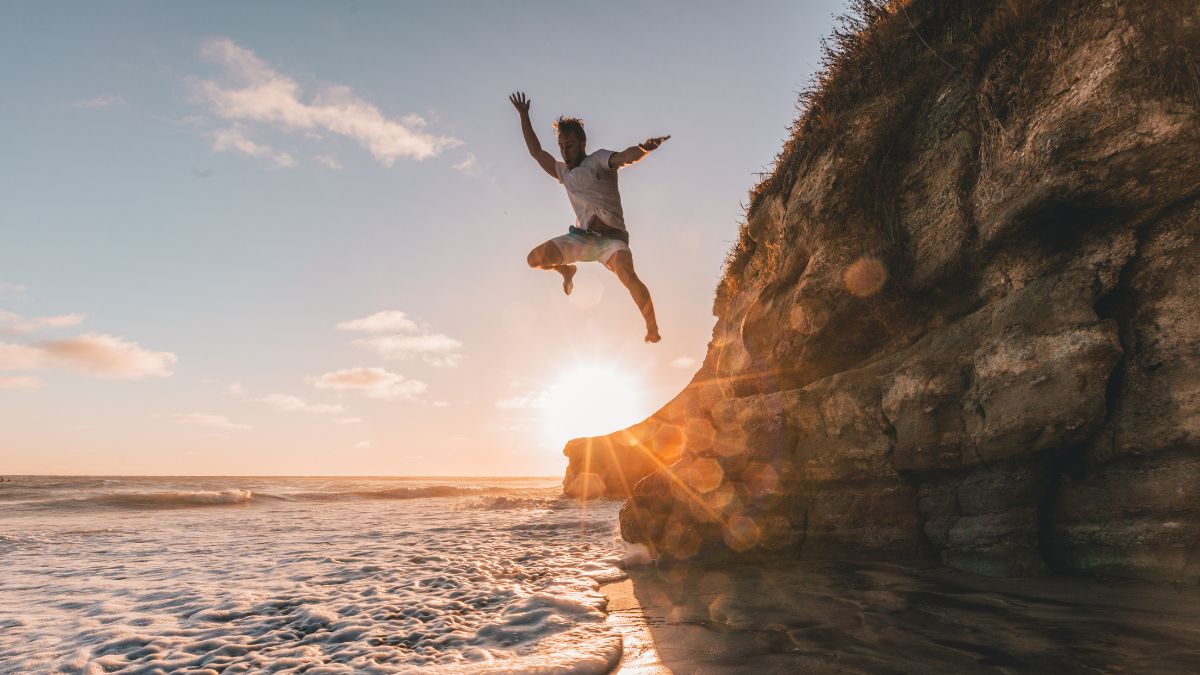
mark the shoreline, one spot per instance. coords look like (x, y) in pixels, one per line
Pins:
(819, 617)
(639, 653)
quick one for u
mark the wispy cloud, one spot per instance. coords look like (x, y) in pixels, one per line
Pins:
(289, 403)
(372, 382)
(102, 101)
(19, 382)
(389, 320)
(683, 362)
(285, 402)
(91, 354)
(469, 166)
(15, 323)
(108, 356)
(433, 348)
(349, 420)
(234, 140)
(329, 161)
(21, 357)
(522, 402)
(256, 92)
(409, 339)
(206, 420)
(364, 444)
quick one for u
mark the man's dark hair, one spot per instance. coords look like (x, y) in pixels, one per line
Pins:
(572, 125)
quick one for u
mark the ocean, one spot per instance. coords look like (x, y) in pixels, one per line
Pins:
(313, 575)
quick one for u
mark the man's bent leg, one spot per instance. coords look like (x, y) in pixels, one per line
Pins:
(549, 257)
(621, 263)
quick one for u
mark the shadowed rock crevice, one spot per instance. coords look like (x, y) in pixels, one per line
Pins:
(962, 319)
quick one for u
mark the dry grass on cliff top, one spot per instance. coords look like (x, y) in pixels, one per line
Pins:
(875, 47)
(881, 48)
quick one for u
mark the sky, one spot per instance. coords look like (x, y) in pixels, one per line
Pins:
(289, 238)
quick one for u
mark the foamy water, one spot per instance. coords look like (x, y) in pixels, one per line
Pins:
(232, 575)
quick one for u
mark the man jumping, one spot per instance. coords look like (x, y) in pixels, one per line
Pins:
(599, 231)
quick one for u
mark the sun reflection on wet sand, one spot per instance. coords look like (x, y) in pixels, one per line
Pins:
(822, 617)
(640, 655)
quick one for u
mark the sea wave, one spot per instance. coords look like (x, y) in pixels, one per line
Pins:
(172, 499)
(428, 492)
(307, 574)
(175, 499)
(513, 502)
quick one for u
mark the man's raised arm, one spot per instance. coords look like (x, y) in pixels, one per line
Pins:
(543, 158)
(634, 152)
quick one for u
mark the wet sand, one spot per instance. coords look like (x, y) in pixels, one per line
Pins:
(817, 617)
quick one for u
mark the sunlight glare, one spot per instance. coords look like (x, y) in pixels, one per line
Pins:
(592, 400)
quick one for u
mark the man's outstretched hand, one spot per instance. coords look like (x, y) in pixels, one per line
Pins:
(651, 143)
(520, 102)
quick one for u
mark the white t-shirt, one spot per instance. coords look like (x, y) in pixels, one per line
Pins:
(592, 189)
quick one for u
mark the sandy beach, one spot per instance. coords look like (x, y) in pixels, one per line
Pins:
(878, 618)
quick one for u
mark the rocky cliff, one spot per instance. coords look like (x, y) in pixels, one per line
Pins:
(962, 319)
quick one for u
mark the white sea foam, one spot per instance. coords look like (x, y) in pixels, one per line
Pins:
(141, 575)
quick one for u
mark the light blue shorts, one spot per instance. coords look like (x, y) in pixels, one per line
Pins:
(586, 248)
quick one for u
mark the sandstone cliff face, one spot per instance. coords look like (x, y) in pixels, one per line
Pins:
(963, 319)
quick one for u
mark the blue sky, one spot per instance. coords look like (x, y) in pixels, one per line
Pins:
(194, 197)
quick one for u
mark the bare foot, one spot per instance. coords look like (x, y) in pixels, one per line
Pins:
(568, 274)
(652, 334)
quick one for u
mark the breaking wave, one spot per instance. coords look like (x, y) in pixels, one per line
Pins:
(140, 575)
(177, 499)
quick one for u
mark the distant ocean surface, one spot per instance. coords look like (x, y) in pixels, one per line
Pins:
(313, 575)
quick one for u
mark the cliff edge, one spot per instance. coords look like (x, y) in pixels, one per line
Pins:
(962, 319)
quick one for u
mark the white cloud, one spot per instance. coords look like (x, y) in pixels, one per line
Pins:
(234, 140)
(206, 420)
(107, 356)
(259, 93)
(289, 403)
(19, 382)
(683, 362)
(349, 420)
(235, 389)
(103, 101)
(389, 320)
(410, 339)
(364, 444)
(92, 354)
(469, 166)
(373, 382)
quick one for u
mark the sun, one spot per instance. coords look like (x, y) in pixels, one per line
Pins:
(592, 400)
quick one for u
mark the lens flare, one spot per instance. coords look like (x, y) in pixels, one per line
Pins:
(865, 277)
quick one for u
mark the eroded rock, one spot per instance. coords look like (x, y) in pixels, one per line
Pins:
(968, 330)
